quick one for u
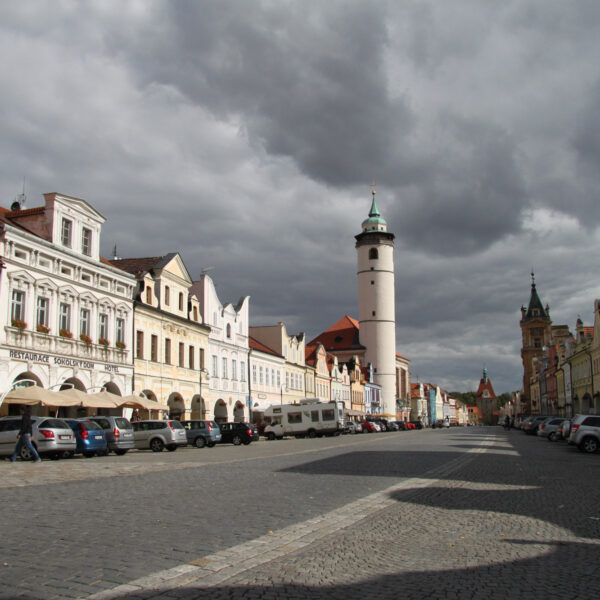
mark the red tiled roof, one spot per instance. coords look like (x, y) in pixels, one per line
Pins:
(341, 335)
(256, 345)
(135, 265)
(15, 214)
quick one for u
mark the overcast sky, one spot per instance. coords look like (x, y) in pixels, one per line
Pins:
(246, 135)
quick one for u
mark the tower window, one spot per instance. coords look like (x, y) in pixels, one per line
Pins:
(372, 283)
(373, 254)
(373, 313)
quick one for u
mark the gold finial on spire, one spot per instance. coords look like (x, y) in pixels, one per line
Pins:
(373, 188)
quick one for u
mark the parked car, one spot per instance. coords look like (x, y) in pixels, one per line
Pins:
(370, 427)
(89, 437)
(549, 427)
(401, 425)
(157, 435)
(350, 427)
(236, 433)
(118, 432)
(255, 432)
(410, 425)
(530, 426)
(359, 427)
(417, 424)
(51, 437)
(564, 430)
(585, 433)
(202, 433)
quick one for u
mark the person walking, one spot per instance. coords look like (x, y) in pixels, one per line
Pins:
(24, 436)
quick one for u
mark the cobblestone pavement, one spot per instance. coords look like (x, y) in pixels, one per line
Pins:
(465, 513)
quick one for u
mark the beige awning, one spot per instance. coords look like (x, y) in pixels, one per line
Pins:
(135, 401)
(102, 399)
(38, 395)
(355, 413)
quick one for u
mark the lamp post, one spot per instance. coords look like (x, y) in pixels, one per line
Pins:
(200, 371)
(282, 387)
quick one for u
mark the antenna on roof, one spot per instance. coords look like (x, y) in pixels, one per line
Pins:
(19, 203)
(115, 256)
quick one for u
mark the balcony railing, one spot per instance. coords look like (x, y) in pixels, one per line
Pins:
(35, 341)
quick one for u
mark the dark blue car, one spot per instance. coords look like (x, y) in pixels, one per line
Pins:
(89, 437)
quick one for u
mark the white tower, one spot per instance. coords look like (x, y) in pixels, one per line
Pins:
(376, 303)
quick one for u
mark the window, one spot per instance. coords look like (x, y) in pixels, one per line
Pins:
(120, 331)
(148, 295)
(65, 233)
(181, 354)
(267, 380)
(287, 380)
(139, 344)
(43, 306)
(373, 254)
(314, 416)
(215, 366)
(103, 326)
(168, 351)
(234, 369)
(154, 348)
(224, 374)
(294, 417)
(64, 318)
(242, 371)
(167, 295)
(278, 379)
(86, 241)
(228, 330)
(260, 375)
(202, 358)
(191, 356)
(180, 300)
(17, 308)
(84, 322)
(195, 313)
(253, 373)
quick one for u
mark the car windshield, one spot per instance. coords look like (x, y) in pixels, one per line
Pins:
(122, 423)
(91, 426)
(53, 424)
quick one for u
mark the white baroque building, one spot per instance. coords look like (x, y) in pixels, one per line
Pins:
(66, 315)
(227, 356)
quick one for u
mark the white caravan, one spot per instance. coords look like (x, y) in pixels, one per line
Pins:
(310, 417)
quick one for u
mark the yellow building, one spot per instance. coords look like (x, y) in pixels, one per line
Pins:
(170, 338)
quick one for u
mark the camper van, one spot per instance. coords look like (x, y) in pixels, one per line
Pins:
(310, 417)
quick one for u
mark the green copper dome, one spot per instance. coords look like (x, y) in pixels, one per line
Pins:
(375, 221)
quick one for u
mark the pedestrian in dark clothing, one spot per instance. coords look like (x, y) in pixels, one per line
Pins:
(24, 436)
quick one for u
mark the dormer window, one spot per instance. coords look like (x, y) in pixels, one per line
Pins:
(180, 300)
(66, 232)
(148, 295)
(86, 241)
(167, 295)
(228, 330)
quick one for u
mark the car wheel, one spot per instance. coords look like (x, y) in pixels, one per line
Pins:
(171, 447)
(120, 452)
(589, 445)
(200, 442)
(68, 454)
(246, 442)
(270, 436)
(236, 440)
(552, 437)
(211, 444)
(55, 455)
(88, 454)
(312, 434)
(25, 453)
(156, 445)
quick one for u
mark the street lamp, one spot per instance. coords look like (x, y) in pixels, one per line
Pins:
(282, 387)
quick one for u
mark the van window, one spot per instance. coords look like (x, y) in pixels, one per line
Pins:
(295, 417)
(53, 424)
(314, 416)
(121, 423)
(176, 425)
(104, 423)
(328, 414)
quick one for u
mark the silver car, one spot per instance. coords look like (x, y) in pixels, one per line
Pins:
(157, 435)
(549, 427)
(118, 432)
(51, 437)
(585, 433)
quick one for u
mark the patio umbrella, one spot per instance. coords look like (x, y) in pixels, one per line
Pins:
(38, 395)
(136, 401)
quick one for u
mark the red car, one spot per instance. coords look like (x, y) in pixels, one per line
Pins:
(411, 426)
(368, 427)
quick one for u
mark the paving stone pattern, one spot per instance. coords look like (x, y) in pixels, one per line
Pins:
(468, 513)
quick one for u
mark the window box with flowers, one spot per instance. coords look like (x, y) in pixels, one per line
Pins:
(19, 324)
(121, 346)
(65, 333)
(104, 342)
(86, 339)
(42, 328)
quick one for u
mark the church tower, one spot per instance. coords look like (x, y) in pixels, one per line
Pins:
(376, 303)
(536, 331)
